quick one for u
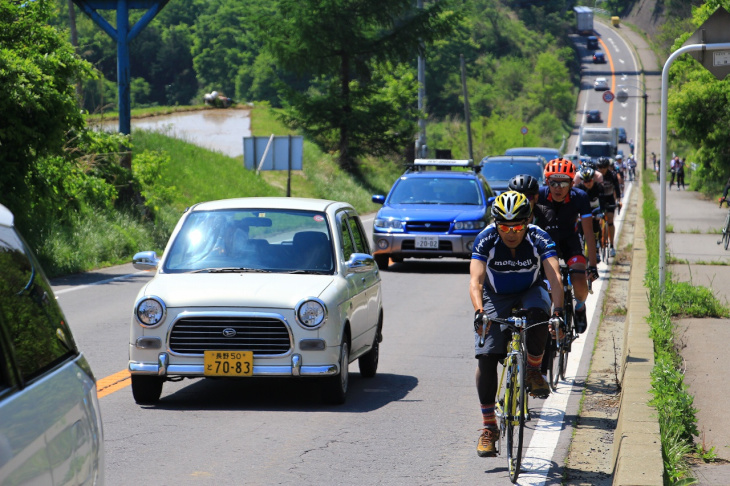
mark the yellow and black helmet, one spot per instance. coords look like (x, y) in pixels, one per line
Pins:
(511, 206)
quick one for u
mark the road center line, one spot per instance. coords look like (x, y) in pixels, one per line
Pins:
(112, 383)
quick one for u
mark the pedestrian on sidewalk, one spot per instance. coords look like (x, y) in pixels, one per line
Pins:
(672, 170)
(679, 167)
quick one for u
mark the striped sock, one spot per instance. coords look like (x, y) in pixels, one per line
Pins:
(488, 416)
(534, 362)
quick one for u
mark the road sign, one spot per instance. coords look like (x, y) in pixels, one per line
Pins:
(713, 31)
(607, 96)
(523, 130)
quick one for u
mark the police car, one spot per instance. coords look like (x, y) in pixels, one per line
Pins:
(435, 209)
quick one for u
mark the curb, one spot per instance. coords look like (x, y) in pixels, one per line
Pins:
(637, 448)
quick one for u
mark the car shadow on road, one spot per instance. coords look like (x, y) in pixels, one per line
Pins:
(287, 394)
(431, 266)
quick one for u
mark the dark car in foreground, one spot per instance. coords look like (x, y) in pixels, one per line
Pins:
(499, 169)
(431, 213)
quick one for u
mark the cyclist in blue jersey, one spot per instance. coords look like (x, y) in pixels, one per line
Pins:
(505, 273)
(564, 206)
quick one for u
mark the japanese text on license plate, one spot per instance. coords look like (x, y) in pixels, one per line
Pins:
(228, 363)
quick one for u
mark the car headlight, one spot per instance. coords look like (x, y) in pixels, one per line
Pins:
(150, 311)
(469, 225)
(388, 224)
(311, 313)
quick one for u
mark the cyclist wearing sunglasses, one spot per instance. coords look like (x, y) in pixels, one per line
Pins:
(564, 205)
(505, 273)
(587, 179)
(610, 198)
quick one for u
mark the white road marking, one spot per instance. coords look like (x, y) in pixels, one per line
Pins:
(537, 456)
(100, 282)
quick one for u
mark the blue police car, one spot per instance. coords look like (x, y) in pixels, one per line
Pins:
(435, 209)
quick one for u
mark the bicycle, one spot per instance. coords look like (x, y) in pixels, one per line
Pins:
(511, 407)
(562, 345)
(725, 239)
(601, 236)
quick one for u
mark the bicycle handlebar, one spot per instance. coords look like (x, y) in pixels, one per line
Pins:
(515, 324)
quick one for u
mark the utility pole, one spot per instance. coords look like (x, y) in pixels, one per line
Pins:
(421, 141)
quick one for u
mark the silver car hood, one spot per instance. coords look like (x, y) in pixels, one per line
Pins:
(271, 290)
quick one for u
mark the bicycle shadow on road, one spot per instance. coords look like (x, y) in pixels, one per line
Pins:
(285, 394)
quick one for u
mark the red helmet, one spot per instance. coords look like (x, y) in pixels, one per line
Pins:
(560, 167)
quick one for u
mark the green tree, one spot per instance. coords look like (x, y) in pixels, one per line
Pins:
(38, 70)
(344, 47)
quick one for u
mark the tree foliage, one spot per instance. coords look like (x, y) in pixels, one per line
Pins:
(699, 108)
(346, 50)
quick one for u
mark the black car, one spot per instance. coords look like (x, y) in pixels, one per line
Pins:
(599, 58)
(592, 42)
(622, 135)
(594, 116)
(499, 169)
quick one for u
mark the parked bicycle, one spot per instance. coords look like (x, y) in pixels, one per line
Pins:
(511, 408)
(725, 238)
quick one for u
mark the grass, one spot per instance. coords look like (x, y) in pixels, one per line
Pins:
(674, 404)
(92, 239)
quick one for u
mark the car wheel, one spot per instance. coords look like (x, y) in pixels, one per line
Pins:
(334, 388)
(368, 362)
(146, 389)
(382, 261)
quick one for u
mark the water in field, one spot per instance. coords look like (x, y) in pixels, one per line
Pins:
(221, 130)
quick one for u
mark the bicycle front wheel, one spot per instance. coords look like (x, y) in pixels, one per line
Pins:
(562, 357)
(551, 363)
(516, 409)
(726, 232)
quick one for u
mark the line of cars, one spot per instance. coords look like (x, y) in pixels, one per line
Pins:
(452, 205)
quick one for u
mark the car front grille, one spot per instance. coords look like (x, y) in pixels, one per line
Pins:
(427, 227)
(265, 336)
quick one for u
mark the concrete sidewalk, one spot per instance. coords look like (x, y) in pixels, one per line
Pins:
(695, 222)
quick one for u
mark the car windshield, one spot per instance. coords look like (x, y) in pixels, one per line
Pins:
(252, 240)
(436, 190)
(503, 171)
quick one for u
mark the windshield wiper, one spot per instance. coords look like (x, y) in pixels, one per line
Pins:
(232, 270)
(309, 272)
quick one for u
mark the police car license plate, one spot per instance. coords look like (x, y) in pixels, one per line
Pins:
(427, 242)
(228, 363)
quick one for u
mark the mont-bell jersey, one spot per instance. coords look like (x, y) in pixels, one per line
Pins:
(562, 216)
(508, 274)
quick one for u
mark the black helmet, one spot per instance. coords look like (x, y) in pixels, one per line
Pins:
(586, 173)
(603, 162)
(524, 183)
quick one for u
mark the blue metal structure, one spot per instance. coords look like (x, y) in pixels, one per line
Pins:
(122, 35)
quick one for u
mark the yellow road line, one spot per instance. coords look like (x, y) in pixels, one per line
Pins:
(113, 383)
(613, 81)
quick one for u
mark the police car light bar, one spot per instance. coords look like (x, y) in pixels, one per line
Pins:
(443, 162)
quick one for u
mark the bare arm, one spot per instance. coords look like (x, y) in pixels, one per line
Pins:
(477, 272)
(552, 272)
(587, 224)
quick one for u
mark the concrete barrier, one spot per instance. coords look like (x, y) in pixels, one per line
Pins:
(637, 447)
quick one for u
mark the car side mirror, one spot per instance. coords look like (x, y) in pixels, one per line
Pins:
(378, 199)
(360, 262)
(491, 200)
(145, 260)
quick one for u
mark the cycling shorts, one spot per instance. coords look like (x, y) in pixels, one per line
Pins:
(501, 305)
(570, 250)
(608, 204)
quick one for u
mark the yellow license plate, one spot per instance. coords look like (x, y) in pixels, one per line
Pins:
(228, 363)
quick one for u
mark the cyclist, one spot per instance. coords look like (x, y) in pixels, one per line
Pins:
(611, 197)
(509, 256)
(530, 187)
(588, 180)
(632, 167)
(724, 192)
(564, 206)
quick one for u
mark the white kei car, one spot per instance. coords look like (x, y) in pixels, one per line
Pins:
(259, 287)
